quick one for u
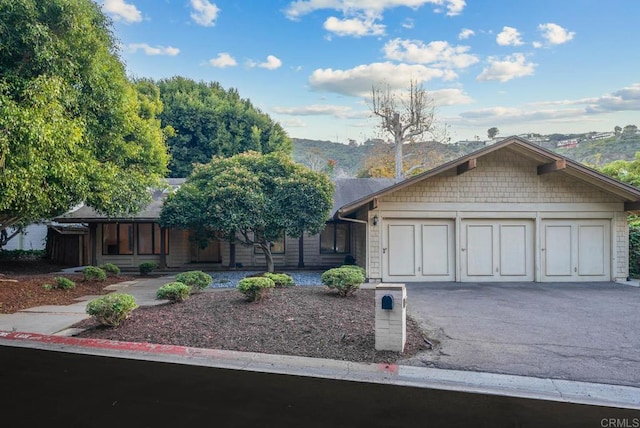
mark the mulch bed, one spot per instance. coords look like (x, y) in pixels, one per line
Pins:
(303, 321)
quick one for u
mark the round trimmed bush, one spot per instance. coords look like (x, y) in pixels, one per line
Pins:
(64, 283)
(255, 288)
(112, 309)
(175, 292)
(146, 267)
(280, 279)
(94, 272)
(196, 279)
(110, 269)
(345, 280)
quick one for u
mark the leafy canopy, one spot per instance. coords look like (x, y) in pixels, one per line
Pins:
(73, 128)
(251, 198)
(211, 121)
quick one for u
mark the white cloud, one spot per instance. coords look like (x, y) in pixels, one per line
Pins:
(439, 53)
(509, 68)
(408, 23)
(271, 63)
(450, 97)
(223, 60)
(465, 33)
(122, 11)
(625, 99)
(537, 45)
(358, 81)
(356, 27)
(299, 8)
(509, 37)
(152, 50)
(204, 12)
(337, 111)
(555, 34)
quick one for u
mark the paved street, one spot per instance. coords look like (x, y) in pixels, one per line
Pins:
(586, 332)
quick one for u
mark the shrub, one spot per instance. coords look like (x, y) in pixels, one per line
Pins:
(280, 279)
(196, 279)
(175, 292)
(112, 309)
(255, 288)
(110, 269)
(22, 254)
(147, 267)
(63, 283)
(634, 251)
(345, 280)
(349, 260)
(94, 272)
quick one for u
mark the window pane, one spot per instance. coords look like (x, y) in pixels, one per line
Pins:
(145, 238)
(110, 238)
(125, 237)
(277, 247)
(342, 238)
(326, 239)
(157, 235)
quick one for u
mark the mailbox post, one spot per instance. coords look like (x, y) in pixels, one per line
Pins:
(391, 317)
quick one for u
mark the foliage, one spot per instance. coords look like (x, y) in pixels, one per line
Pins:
(255, 288)
(147, 267)
(280, 279)
(93, 272)
(22, 254)
(492, 132)
(634, 251)
(196, 279)
(175, 292)
(112, 309)
(73, 127)
(110, 269)
(345, 279)
(349, 260)
(252, 199)
(210, 121)
(626, 171)
(63, 283)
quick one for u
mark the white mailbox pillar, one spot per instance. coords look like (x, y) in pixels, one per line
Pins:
(391, 317)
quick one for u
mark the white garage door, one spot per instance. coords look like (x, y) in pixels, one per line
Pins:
(575, 250)
(497, 250)
(418, 250)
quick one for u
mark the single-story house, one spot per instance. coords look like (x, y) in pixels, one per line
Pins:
(512, 211)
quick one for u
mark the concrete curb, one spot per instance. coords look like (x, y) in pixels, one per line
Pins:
(449, 380)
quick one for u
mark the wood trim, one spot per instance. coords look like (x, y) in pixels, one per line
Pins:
(552, 166)
(467, 166)
(632, 206)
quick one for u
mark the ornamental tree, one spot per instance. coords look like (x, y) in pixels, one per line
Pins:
(73, 128)
(252, 199)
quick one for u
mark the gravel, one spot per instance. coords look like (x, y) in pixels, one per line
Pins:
(229, 279)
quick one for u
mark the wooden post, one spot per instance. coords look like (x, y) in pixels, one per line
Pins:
(163, 248)
(93, 243)
(301, 251)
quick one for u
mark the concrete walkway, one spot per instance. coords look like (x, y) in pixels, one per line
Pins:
(56, 320)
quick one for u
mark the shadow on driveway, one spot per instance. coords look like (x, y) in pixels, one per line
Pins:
(579, 331)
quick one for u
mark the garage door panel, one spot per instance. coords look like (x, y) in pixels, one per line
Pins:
(479, 250)
(591, 245)
(402, 250)
(557, 251)
(513, 250)
(436, 242)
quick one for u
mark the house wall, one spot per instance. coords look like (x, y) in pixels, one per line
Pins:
(503, 185)
(33, 237)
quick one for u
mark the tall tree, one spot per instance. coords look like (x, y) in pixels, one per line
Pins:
(626, 171)
(73, 128)
(252, 199)
(405, 117)
(492, 132)
(211, 121)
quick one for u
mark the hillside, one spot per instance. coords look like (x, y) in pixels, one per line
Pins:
(351, 159)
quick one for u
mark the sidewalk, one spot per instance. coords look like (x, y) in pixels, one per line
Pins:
(57, 320)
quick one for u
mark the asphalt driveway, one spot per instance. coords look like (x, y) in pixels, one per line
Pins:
(579, 331)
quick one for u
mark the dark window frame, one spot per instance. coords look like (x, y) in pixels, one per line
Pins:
(153, 240)
(334, 227)
(117, 244)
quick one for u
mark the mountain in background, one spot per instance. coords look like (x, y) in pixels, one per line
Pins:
(592, 149)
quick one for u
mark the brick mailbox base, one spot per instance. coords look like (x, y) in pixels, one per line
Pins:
(391, 317)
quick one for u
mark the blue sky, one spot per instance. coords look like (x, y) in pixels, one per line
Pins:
(524, 66)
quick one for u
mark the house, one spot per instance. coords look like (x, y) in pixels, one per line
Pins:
(512, 211)
(129, 241)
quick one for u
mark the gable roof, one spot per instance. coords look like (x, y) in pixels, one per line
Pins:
(547, 160)
(348, 190)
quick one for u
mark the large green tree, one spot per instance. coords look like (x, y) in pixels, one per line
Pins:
(73, 128)
(211, 121)
(252, 199)
(626, 171)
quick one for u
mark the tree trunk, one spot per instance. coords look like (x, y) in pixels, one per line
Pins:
(301, 251)
(397, 138)
(266, 249)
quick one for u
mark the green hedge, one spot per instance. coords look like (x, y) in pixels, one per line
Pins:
(112, 309)
(634, 251)
(175, 292)
(196, 279)
(255, 288)
(345, 280)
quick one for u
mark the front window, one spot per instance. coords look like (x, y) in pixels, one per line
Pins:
(117, 238)
(149, 239)
(334, 239)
